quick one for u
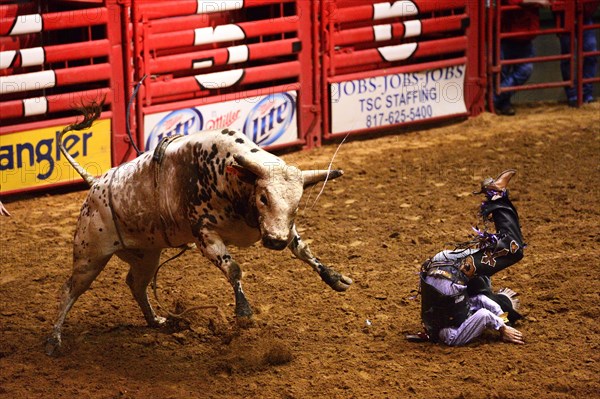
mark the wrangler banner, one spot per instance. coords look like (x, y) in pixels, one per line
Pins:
(33, 159)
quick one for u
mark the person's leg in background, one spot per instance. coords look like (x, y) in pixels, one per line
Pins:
(513, 75)
(565, 69)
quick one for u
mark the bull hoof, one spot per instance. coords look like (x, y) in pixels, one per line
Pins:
(53, 346)
(244, 321)
(342, 284)
(243, 310)
(157, 322)
(243, 314)
(335, 280)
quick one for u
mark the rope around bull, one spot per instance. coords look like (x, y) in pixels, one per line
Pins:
(154, 290)
(184, 248)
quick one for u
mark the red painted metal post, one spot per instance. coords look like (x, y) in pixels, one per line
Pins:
(366, 12)
(121, 150)
(401, 52)
(475, 82)
(165, 9)
(34, 23)
(53, 103)
(399, 30)
(315, 133)
(245, 30)
(309, 117)
(222, 56)
(219, 80)
(57, 53)
(136, 75)
(12, 10)
(490, 28)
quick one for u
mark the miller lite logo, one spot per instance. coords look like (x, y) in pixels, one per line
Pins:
(270, 118)
(183, 121)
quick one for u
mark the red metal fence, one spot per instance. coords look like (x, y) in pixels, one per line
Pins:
(568, 22)
(210, 65)
(396, 63)
(497, 36)
(288, 73)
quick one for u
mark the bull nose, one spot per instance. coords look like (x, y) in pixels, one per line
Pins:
(273, 243)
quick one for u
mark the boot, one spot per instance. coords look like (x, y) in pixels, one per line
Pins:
(495, 188)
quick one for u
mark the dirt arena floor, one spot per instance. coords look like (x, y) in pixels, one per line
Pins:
(403, 198)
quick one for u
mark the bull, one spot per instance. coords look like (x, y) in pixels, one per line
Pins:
(212, 188)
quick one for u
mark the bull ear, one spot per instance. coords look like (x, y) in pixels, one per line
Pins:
(241, 173)
(253, 167)
(312, 177)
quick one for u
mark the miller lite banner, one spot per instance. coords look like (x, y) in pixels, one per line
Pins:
(266, 120)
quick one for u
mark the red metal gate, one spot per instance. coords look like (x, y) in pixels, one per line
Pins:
(209, 65)
(568, 21)
(288, 73)
(56, 56)
(496, 35)
(392, 63)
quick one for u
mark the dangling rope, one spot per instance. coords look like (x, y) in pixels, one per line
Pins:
(329, 169)
(128, 113)
(160, 305)
(328, 172)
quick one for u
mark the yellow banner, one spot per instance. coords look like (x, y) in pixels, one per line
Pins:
(33, 158)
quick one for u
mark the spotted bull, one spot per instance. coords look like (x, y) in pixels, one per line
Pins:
(214, 189)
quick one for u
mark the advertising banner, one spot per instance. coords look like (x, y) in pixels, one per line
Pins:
(33, 159)
(266, 120)
(397, 98)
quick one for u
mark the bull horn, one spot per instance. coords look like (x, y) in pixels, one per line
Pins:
(312, 177)
(249, 165)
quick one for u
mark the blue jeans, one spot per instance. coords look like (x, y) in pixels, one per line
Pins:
(589, 63)
(514, 75)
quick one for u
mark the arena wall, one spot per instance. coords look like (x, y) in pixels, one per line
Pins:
(290, 74)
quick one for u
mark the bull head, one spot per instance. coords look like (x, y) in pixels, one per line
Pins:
(278, 190)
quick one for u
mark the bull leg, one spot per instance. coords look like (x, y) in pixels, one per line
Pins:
(213, 248)
(85, 271)
(143, 265)
(335, 280)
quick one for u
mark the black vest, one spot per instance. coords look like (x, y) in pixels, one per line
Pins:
(440, 311)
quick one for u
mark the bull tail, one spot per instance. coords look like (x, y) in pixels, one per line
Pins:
(90, 113)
